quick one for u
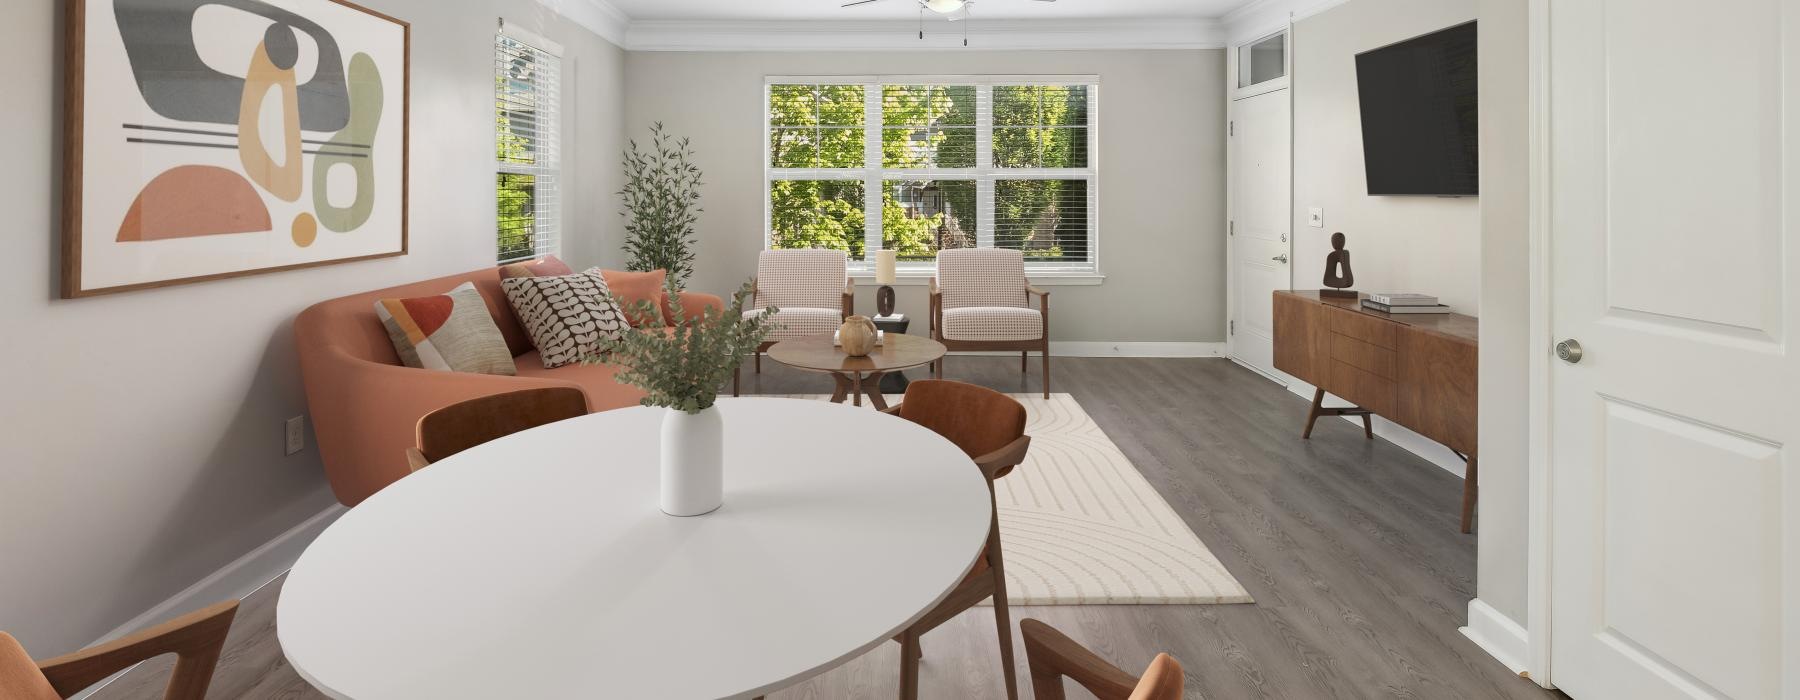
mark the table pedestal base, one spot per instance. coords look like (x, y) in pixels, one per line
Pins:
(855, 385)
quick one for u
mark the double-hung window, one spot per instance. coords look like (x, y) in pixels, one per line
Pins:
(923, 164)
(527, 86)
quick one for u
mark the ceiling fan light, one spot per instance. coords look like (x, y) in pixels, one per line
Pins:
(944, 6)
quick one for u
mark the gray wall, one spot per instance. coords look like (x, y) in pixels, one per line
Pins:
(1469, 251)
(1505, 306)
(143, 431)
(1403, 244)
(1162, 172)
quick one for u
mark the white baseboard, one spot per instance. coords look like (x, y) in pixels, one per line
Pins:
(236, 580)
(1499, 636)
(1426, 448)
(1103, 348)
(1079, 348)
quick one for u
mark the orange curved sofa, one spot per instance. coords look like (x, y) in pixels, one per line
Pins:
(365, 404)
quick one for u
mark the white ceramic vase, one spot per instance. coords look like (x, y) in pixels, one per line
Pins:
(693, 462)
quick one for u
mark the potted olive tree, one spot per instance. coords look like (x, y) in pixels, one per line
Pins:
(681, 371)
(661, 203)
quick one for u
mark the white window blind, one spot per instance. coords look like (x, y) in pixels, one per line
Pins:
(527, 87)
(920, 164)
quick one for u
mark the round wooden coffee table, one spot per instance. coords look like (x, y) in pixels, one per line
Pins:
(857, 376)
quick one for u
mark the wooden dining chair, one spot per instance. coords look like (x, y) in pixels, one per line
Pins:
(1053, 656)
(195, 639)
(990, 427)
(460, 426)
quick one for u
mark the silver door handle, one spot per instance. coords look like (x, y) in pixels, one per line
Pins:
(1282, 258)
(1569, 350)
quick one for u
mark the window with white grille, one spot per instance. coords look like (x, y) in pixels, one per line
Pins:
(527, 92)
(919, 164)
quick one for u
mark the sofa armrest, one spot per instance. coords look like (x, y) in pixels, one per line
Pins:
(365, 414)
(693, 306)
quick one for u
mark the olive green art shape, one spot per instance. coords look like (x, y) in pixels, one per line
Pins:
(353, 147)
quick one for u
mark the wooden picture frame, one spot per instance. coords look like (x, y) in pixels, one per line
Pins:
(317, 84)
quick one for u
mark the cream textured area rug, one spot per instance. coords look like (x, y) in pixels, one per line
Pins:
(1080, 525)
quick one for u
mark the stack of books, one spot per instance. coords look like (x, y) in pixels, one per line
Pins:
(1404, 304)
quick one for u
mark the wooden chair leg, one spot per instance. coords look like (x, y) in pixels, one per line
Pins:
(1003, 622)
(1024, 361)
(1471, 489)
(1002, 614)
(1046, 684)
(736, 375)
(759, 362)
(909, 666)
(1046, 369)
(1368, 427)
(1312, 416)
(937, 369)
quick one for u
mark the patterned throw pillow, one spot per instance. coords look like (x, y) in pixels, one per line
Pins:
(451, 332)
(569, 317)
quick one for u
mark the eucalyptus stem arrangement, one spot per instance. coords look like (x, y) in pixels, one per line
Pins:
(684, 368)
(661, 199)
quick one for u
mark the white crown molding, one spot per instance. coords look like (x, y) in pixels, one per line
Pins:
(1261, 18)
(598, 16)
(903, 35)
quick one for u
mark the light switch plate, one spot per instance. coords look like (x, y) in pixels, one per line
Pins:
(296, 434)
(1315, 217)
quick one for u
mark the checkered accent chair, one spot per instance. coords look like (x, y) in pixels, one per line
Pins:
(980, 300)
(808, 286)
(983, 296)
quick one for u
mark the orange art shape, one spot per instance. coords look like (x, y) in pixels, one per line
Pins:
(194, 200)
(264, 79)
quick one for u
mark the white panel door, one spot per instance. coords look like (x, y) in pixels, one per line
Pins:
(1262, 214)
(1675, 499)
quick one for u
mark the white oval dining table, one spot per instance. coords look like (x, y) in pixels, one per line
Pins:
(539, 565)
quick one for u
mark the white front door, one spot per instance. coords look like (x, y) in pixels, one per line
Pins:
(1261, 206)
(1675, 503)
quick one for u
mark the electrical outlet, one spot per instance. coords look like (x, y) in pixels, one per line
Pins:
(296, 434)
(1315, 217)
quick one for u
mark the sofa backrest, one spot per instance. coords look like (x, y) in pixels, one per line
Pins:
(350, 323)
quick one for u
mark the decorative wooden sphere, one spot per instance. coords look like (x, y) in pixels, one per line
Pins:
(857, 336)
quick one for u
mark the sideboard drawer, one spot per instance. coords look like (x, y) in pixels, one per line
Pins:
(1366, 389)
(1368, 357)
(1368, 329)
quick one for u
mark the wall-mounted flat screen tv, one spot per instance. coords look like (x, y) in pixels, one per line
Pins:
(1419, 123)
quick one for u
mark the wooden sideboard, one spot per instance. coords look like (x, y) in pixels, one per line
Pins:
(1417, 370)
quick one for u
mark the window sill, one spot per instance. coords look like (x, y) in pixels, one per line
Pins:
(1060, 279)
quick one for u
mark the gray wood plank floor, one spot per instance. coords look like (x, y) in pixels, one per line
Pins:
(1350, 547)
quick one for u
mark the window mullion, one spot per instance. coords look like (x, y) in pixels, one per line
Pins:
(984, 166)
(873, 194)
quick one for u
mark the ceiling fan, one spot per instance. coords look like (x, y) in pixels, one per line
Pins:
(953, 10)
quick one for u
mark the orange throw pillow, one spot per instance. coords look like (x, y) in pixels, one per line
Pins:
(547, 266)
(629, 288)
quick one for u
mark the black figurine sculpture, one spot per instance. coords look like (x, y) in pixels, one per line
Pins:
(1338, 278)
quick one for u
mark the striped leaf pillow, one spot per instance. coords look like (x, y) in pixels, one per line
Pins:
(569, 316)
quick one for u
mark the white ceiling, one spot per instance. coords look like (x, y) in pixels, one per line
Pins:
(776, 10)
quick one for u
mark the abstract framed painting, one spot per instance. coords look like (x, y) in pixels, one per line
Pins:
(208, 139)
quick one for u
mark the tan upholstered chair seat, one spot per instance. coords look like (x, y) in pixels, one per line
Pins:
(799, 322)
(993, 323)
